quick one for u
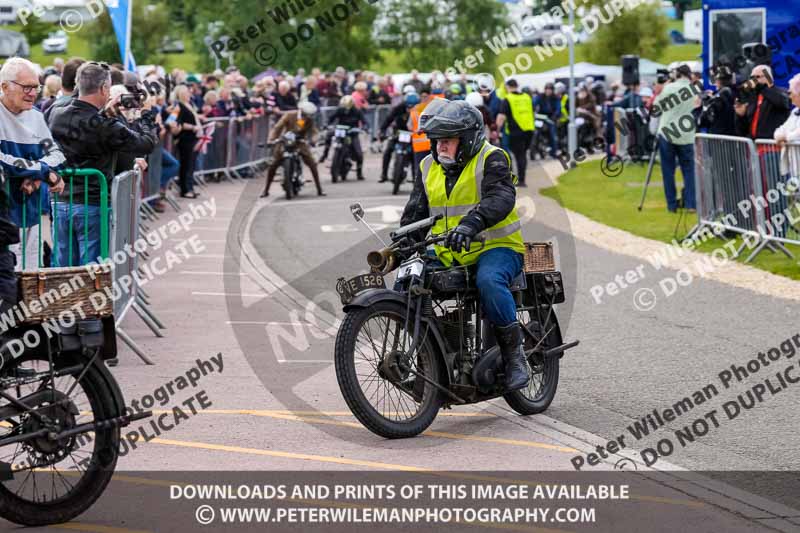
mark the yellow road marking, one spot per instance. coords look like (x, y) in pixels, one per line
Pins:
(291, 415)
(96, 528)
(267, 412)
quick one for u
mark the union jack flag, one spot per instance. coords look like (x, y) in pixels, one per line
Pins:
(204, 138)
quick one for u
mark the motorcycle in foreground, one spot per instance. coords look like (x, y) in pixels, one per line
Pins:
(402, 354)
(403, 158)
(342, 151)
(292, 165)
(61, 412)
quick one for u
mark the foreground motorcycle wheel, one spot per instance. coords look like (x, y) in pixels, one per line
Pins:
(398, 174)
(536, 397)
(55, 481)
(288, 171)
(373, 374)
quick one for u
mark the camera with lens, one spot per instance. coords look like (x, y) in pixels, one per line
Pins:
(133, 100)
(662, 76)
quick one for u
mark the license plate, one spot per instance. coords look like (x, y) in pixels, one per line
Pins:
(539, 123)
(340, 133)
(404, 137)
(410, 268)
(348, 289)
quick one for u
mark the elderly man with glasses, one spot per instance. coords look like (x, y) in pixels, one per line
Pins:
(91, 136)
(761, 106)
(29, 157)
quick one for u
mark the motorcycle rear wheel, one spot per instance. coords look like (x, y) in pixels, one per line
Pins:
(403, 406)
(537, 396)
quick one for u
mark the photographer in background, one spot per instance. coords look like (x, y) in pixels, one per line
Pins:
(761, 107)
(717, 115)
(674, 140)
(90, 138)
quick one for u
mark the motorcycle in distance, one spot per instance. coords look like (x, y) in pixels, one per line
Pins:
(61, 412)
(403, 158)
(402, 354)
(291, 163)
(540, 146)
(342, 151)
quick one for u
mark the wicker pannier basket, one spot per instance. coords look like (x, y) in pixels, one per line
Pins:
(539, 257)
(46, 293)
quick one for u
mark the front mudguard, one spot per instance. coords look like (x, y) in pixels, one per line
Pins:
(370, 297)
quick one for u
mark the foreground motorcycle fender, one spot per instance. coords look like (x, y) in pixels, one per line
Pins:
(371, 296)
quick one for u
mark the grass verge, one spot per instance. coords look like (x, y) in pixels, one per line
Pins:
(613, 201)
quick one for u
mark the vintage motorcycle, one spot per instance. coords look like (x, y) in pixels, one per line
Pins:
(401, 354)
(403, 158)
(291, 163)
(342, 151)
(61, 412)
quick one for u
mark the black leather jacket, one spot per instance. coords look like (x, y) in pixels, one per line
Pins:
(89, 139)
(498, 196)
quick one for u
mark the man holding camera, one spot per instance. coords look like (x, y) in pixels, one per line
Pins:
(676, 130)
(761, 107)
(91, 137)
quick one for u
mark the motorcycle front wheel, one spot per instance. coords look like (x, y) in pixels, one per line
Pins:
(398, 172)
(336, 164)
(288, 172)
(378, 379)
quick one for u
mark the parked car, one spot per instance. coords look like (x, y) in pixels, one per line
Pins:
(55, 43)
(172, 46)
(13, 43)
(541, 35)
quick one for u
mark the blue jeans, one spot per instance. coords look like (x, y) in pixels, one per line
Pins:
(497, 269)
(169, 167)
(685, 155)
(84, 251)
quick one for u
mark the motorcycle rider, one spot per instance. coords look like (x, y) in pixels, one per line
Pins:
(469, 181)
(550, 106)
(398, 116)
(347, 114)
(301, 122)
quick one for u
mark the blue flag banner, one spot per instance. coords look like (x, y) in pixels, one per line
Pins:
(121, 12)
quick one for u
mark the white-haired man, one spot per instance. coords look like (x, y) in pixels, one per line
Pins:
(29, 158)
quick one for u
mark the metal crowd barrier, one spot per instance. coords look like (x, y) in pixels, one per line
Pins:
(733, 182)
(779, 186)
(631, 129)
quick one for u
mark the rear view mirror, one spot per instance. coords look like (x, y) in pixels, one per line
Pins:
(357, 212)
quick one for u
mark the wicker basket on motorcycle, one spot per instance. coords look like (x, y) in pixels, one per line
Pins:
(539, 257)
(46, 293)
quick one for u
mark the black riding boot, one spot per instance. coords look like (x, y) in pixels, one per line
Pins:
(509, 339)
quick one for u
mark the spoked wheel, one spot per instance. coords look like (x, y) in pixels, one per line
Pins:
(55, 480)
(378, 379)
(543, 374)
(398, 172)
(288, 172)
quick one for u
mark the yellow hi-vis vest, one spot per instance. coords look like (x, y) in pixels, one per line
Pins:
(466, 194)
(522, 110)
(564, 109)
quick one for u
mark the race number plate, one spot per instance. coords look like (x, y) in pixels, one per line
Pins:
(410, 268)
(348, 289)
(341, 132)
(404, 137)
